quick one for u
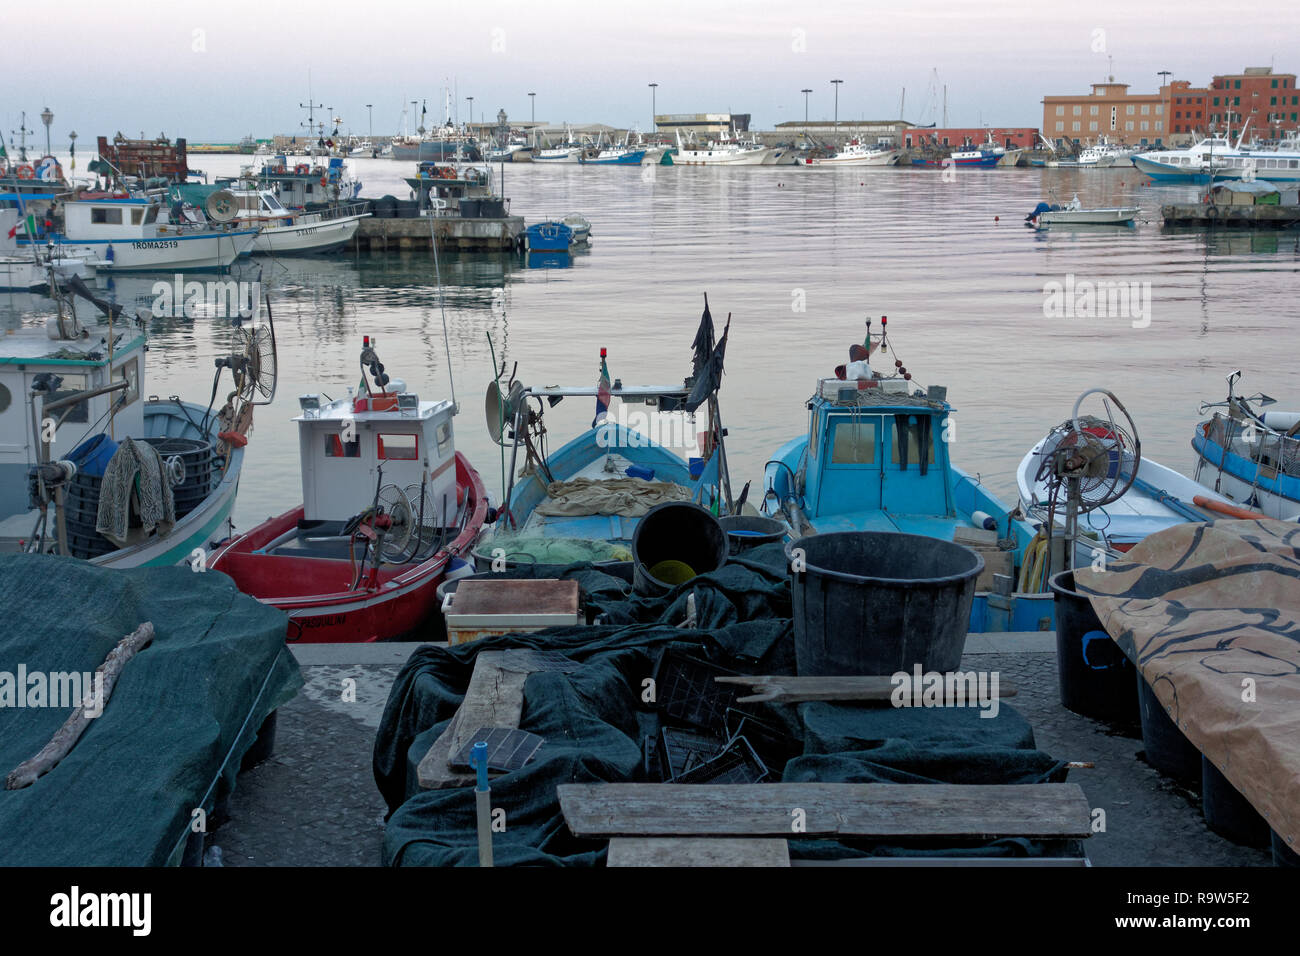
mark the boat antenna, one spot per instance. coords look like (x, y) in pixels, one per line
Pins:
(442, 305)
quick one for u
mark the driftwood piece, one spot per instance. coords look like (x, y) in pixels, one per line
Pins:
(494, 698)
(885, 810)
(789, 690)
(66, 737)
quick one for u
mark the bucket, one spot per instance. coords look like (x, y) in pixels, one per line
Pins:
(1094, 676)
(875, 602)
(93, 455)
(1228, 813)
(749, 531)
(672, 543)
(1166, 748)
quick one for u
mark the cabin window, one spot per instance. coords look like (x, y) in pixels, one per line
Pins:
(444, 438)
(128, 372)
(70, 386)
(151, 215)
(336, 447)
(398, 447)
(137, 216)
(6, 397)
(911, 434)
(106, 217)
(854, 443)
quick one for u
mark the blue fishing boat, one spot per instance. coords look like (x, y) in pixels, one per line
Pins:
(583, 502)
(548, 237)
(613, 156)
(981, 158)
(876, 458)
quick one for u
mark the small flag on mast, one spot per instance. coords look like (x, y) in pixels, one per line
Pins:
(602, 393)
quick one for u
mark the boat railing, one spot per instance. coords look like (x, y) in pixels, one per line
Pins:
(1266, 447)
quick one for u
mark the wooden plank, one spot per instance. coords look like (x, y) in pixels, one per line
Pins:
(697, 851)
(1047, 810)
(540, 596)
(790, 689)
(494, 698)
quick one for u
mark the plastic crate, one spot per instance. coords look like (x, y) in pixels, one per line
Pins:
(687, 693)
(737, 764)
(681, 750)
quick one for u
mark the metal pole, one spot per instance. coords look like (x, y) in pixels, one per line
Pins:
(836, 84)
(654, 122)
(482, 803)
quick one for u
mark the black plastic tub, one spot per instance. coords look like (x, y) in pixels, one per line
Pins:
(678, 532)
(1227, 812)
(1166, 748)
(874, 602)
(1094, 676)
(749, 531)
(492, 208)
(470, 208)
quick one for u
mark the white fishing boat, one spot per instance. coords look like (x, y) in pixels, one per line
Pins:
(857, 153)
(1250, 456)
(1073, 213)
(724, 151)
(282, 231)
(118, 232)
(1218, 158)
(580, 225)
(1104, 154)
(567, 153)
(157, 486)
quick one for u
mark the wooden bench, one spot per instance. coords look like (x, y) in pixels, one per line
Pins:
(713, 823)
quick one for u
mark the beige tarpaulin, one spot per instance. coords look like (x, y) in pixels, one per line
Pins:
(629, 497)
(1210, 613)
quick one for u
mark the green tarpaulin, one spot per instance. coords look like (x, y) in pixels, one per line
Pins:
(171, 737)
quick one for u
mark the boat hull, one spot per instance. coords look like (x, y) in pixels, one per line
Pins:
(885, 158)
(307, 238)
(1090, 217)
(701, 157)
(316, 592)
(1274, 493)
(163, 254)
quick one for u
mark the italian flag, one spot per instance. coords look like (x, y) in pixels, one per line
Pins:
(28, 224)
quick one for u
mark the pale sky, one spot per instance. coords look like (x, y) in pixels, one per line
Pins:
(218, 70)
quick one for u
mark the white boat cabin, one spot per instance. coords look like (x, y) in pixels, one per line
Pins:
(110, 219)
(344, 443)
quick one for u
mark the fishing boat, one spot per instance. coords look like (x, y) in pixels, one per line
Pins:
(857, 153)
(975, 157)
(615, 154)
(1250, 456)
(875, 457)
(1073, 213)
(387, 503)
(1104, 154)
(120, 232)
(317, 180)
(553, 236)
(724, 151)
(280, 231)
(580, 225)
(155, 487)
(565, 153)
(584, 501)
(1122, 495)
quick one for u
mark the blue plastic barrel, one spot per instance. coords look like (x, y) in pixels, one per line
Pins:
(93, 455)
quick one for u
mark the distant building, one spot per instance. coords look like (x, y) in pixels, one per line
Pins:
(871, 131)
(702, 124)
(1268, 100)
(1020, 137)
(1110, 110)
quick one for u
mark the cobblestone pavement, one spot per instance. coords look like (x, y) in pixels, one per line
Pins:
(314, 802)
(1150, 820)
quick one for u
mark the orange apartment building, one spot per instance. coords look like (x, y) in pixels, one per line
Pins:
(1269, 100)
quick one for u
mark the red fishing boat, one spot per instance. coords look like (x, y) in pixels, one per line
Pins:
(387, 503)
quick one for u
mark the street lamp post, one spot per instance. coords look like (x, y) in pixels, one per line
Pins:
(805, 93)
(47, 118)
(837, 106)
(654, 122)
(370, 123)
(471, 110)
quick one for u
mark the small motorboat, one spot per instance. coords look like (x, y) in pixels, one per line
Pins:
(580, 225)
(1073, 214)
(387, 503)
(548, 237)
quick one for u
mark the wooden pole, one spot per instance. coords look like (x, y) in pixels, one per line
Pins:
(66, 737)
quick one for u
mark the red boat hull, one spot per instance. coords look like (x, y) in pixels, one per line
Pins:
(317, 594)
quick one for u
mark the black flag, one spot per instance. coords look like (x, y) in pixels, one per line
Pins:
(709, 378)
(703, 344)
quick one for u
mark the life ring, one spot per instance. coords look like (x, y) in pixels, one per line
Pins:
(277, 169)
(301, 169)
(25, 172)
(325, 180)
(1212, 212)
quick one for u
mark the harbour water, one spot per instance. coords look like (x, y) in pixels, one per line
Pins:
(799, 257)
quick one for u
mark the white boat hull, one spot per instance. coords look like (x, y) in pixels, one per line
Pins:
(1090, 217)
(20, 275)
(305, 236)
(883, 158)
(706, 157)
(163, 254)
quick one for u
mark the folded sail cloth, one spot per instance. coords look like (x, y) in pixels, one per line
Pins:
(135, 475)
(1210, 614)
(629, 497)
